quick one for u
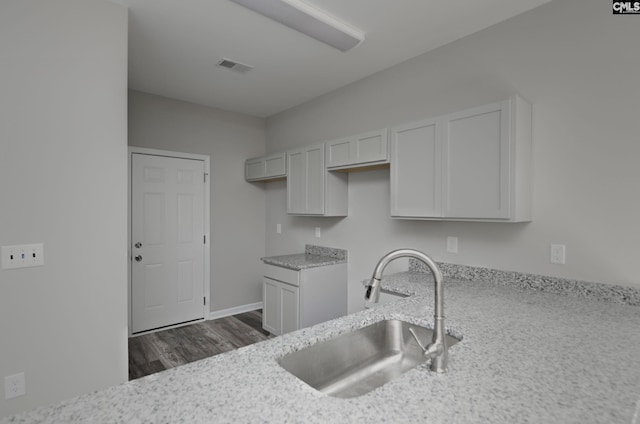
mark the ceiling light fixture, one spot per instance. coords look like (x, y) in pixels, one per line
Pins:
(308, 20)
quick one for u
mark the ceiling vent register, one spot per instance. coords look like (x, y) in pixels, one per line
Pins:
(235, 66)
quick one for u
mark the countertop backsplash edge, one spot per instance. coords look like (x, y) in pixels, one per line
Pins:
(556, 285)
(332, 252)
(313, 256)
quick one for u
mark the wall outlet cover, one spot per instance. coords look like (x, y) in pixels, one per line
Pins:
(452, 244)
(557, 254)
(14, 386)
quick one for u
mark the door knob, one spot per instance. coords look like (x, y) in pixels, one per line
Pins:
(138, 258)
(138, 245)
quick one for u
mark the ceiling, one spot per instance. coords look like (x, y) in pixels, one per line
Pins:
(175, 45)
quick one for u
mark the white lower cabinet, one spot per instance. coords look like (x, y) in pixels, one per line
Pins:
(280, 312)
(297, 299)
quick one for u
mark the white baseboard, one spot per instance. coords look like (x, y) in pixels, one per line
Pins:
(235, 310)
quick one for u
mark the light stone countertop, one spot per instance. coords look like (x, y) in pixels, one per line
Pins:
(525, 357)
(313, 256)
(301, 261)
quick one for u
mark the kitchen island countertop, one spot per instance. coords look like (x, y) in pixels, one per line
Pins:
(525, 357)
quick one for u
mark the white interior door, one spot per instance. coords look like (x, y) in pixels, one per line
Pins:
(167, 241)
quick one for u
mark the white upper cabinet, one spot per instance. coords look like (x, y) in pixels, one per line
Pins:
(362, 150)
(473, 165)
(416, 170)
(475, 181)
(339, 152)
(311, 189)
(265, 168)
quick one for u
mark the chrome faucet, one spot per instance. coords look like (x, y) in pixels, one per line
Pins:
(437, 349)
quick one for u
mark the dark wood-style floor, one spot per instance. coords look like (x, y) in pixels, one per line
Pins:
(151, 353)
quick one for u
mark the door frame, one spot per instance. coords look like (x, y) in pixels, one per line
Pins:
(207, 232)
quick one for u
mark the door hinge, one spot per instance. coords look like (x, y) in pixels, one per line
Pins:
(204, 301)
(205, 239)
(205, 177)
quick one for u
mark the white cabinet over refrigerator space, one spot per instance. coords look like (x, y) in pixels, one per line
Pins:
(365, 150)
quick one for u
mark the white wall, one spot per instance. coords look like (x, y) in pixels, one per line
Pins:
(63, 156)
(237, 207)
(578, 65)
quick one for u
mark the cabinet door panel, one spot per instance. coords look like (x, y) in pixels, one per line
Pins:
(275, 166)
(371, 147)
(338, 152)
(271, 315)
(254, 169)
(296, 182)
(289, 302)
(476, 163)
(315, 180)
(416, 170)
(306, 181)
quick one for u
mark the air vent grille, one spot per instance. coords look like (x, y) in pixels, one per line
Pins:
(234, 65)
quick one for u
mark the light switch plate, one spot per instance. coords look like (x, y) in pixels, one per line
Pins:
(22, 256)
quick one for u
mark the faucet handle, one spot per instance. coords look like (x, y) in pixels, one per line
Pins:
(415, 336)
(431, 350)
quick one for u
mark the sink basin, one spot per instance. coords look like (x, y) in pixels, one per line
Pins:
(357, 362)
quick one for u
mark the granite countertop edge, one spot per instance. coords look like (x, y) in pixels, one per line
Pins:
(524, 357)
(313, 256)
(301, 261)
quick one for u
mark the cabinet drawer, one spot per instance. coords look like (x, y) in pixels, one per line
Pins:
(285, 275)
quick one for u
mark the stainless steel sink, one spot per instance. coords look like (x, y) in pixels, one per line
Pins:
(357, 362)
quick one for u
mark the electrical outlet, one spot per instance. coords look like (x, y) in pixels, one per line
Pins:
(452, 244)
(22, 256)
(14, 386)
(557, 254)
(317, 232)
(278, 229)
